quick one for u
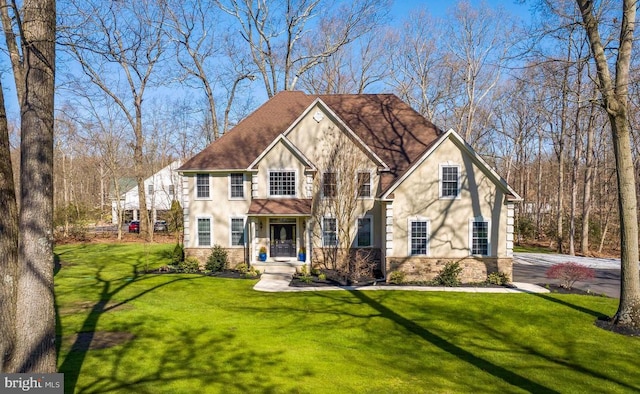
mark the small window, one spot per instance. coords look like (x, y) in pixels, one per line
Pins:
(172, 190)
(282, 183)
(364, 238)
(329, 232)
(419, 236)
(329, 184)
(480, 238)
(364, 184)
(202, 186)
(236, 185)
(150, 189)
(449, 182)
(237, 232)
(204, 232)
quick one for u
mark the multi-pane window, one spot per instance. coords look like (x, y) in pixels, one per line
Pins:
(236, 185)
(363, 238)
(282, 183)
(419, 237)
(202, 186)
(480, 238)
(204, 231)
(329, 232)
(364, 184)
(449, 182)
(150, 189)
(172, 190)
(237, 231)
(329, 184)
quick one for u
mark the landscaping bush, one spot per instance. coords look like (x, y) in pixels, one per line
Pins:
(189, 265)
(177, 256)
(242, 268)
(218, 260)
(449, 276)
(397, 277)
(498, 278)
(569, 273)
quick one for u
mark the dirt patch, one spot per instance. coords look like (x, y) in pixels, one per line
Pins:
(86, 306)
(98, 340)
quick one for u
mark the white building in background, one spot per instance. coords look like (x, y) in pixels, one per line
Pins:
(162, 188)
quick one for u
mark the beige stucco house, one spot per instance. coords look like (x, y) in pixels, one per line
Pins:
(363, 172)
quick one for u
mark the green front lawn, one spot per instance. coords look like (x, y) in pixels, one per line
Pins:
(194, 334)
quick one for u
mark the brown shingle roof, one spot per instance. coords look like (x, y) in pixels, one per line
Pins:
(396, 133)
(280, 206)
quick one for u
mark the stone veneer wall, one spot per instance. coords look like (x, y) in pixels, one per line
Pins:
(474, 269)
(236, 256)
(372, 254)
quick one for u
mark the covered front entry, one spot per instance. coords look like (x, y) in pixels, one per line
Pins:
(282, 237)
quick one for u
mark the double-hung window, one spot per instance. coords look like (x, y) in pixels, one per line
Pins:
(479, 237)
(329, 184)
(449, 181)
(282, 183)
(419, 237)
(364, 184)
(329, 232)
(237, 231)
(172, 190)
(364, 236)
(150, 189)
(202, 186)
(204, 231)
(236, 185)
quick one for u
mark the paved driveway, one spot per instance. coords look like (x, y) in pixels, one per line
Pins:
(531, 268)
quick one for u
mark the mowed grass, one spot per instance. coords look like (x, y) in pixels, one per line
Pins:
(198, 334)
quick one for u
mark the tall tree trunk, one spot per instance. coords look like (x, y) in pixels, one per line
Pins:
(8, 246)
(36, 329)
(588, 181)
(616, 101)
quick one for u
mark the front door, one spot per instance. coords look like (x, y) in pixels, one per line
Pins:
(283, 242)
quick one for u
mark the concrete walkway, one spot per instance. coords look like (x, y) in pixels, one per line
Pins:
(276, 278)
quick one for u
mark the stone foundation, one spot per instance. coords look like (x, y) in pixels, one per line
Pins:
(474, 269)
(236, 256)
(319, 257)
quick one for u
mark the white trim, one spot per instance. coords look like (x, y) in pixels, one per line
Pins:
(289, 145)
(480, 219)
(195, 187)
(371, 230)
(455, 137)
(371, 191)
(441, 167)
(197, 232)
(322, 185)
(418, 219)
(336, 231)
(342, 125)
(244, 192)
(295, 183)
(244, 231)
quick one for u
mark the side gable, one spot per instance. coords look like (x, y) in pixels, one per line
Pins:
(512, 195)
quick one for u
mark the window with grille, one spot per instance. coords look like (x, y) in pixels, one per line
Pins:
(282, 183)
(237, 232)
(364, 237)
(364, 184)
(329, 184)
(150, 189)
(329, 232)
(236, 184)
(419, 236)
(204, 232)
(480, 238)
(202, 186)
(171, 190)
(449, 181)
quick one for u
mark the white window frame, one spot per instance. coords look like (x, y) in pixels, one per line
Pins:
(479, 219)
(323, 231)
(195, 186)
(198, 218)
(336, 184)
(370, 184)
(441, 181)
(370, 217)
(150, 189)
(295, 183)
(172, 190)
(244, 231)
(231, 197)
(410, 221)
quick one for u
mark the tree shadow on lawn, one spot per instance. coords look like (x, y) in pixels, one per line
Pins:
(109, 288)
(462, 354)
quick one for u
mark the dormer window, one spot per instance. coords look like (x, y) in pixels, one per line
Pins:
(282, 183)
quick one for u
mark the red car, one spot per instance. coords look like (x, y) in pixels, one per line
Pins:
(134, 226)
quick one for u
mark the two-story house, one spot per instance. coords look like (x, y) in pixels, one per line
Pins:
(358, 172)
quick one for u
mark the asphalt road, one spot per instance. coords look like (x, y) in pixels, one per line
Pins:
(531, 268)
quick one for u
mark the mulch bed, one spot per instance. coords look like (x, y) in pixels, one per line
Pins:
(606, 323)
(232, 274)
(557, 289)
(315, 282)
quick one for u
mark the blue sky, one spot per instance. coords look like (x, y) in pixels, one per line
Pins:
(439, 8)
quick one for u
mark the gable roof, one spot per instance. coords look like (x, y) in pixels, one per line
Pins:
(390, 128)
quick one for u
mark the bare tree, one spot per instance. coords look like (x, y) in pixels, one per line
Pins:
(115, 41)
(614, 90)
